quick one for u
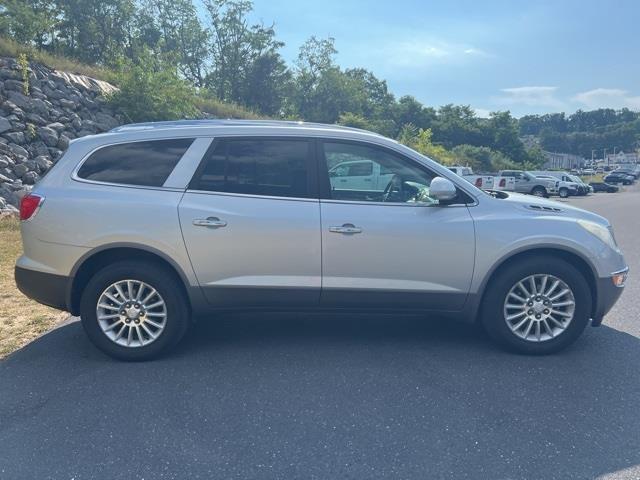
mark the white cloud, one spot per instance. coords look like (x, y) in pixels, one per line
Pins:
(477, 52)
(419, 52)
(532, 96)
(607, 98)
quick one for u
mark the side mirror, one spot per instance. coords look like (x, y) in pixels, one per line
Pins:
(442, 189)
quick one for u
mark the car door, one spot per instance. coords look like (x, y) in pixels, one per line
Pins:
(395, 248)
(523, 184)
(251, 223)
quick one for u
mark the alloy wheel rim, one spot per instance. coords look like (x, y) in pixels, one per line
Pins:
(539, 308)
(131, 313)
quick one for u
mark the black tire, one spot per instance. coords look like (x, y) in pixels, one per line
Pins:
(492, 312)
(563, 192)
(539, 192)
(161, 279)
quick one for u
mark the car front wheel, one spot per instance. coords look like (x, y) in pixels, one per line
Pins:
(134, 310)
(564, 192)
(538, 305)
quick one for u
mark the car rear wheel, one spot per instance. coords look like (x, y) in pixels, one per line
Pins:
(134, 310)
(537, 306)
(539, 192)
(564, 192)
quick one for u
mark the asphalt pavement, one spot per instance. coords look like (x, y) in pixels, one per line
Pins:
(328, 397)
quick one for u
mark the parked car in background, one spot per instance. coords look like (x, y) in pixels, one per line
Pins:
(563, 189)
(571, 180)
(617, 177)
(143, 228)
(504, 184)
(526, 182)
(588, 171)
(603, 187)
(633, 170)
(583, 188)
(484, 182)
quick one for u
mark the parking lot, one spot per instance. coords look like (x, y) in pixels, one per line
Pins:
(313, 396)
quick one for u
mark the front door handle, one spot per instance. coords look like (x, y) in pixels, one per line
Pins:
(347, 229)
(211, 222)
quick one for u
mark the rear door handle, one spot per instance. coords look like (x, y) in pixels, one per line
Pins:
(211, 222)
(347, 228)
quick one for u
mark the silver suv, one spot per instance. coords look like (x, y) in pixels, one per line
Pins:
(141, 229)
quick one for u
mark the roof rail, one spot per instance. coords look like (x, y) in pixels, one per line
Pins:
(231, 122)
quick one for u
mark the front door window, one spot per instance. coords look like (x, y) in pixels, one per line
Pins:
(370, 174)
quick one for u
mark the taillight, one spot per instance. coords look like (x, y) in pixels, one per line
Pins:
(29, 205)
(503, 182)
(478, 182)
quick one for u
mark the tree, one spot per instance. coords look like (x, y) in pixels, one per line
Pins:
(267, 84)
(95, 31)
(409, 110)
(421, 141)
(502, 135)
(173, 28)
(315, 59)
(457, 125)
(236, 47)
(482, 158)
(29, 21)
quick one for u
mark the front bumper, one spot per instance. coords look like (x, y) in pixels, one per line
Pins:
(45, 288)
(607, 294)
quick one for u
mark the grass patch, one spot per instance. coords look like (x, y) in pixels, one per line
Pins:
(10, 48)
(21, 319)
(215, 107)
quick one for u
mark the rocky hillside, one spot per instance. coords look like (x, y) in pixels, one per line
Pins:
(41, 110)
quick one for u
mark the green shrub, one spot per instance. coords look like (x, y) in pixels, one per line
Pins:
(23, 63)
(151, 90)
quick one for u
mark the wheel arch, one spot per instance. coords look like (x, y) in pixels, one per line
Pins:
(571, 256)
(100, 257)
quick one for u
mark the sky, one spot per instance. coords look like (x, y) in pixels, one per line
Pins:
(523, 56)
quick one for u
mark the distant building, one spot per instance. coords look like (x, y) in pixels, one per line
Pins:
(621, 157)
(563, 161)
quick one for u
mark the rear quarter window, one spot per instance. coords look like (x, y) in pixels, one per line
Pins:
(146, 163)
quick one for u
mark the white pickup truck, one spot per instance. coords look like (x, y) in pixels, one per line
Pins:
(360, 175)
(504, 184)
(484, 182)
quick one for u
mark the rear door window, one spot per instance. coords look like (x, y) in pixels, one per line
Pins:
(265, 167)
(147, 163)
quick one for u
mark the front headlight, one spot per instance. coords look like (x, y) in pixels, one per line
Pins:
(603, 233)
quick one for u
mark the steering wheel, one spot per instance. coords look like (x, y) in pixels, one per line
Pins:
(393, 187)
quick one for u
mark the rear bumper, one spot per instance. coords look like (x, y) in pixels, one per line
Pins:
(606, 297)
(45, 288)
